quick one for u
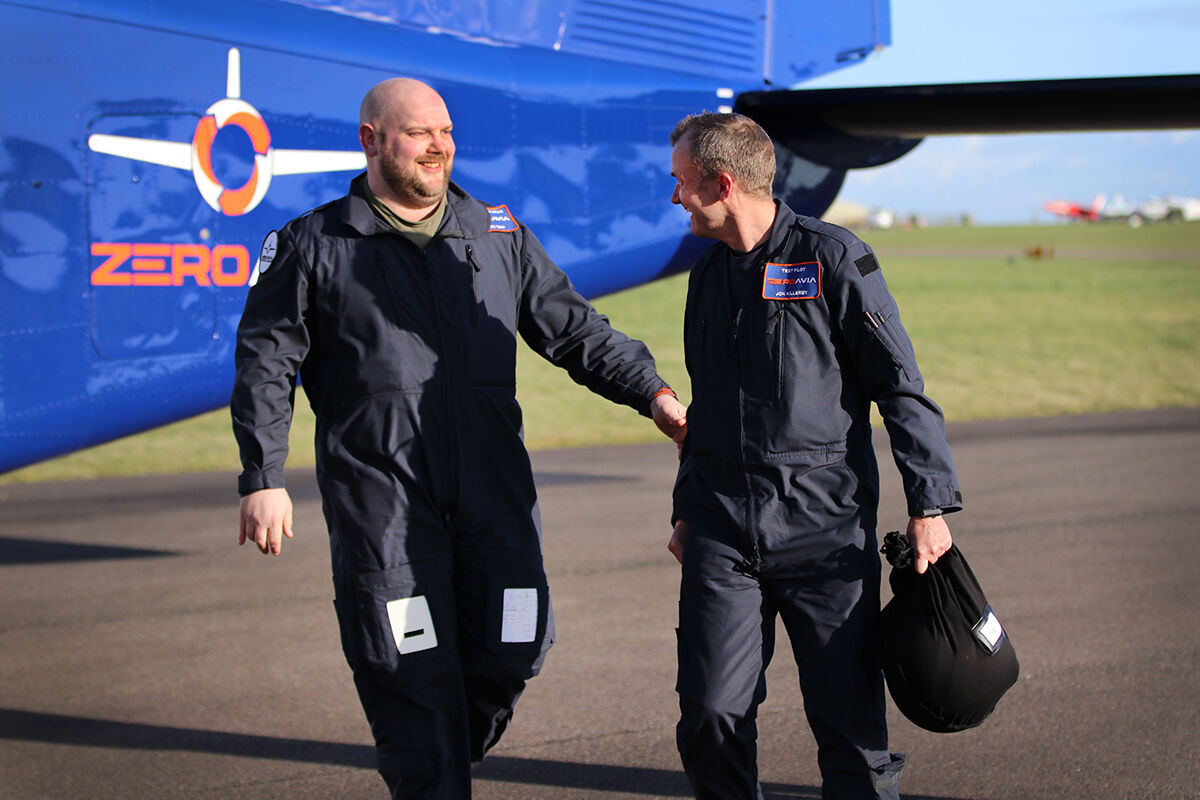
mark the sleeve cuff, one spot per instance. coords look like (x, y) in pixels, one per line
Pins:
(945, 500)
(253, 480)
(647, 409)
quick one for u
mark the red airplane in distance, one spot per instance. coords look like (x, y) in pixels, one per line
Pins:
(1114, 209)
(1065, 208)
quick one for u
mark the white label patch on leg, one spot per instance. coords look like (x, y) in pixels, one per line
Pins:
(412, 624)
(520, 620)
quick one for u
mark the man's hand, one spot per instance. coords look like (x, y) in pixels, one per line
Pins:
(266, 517)
(930, 538)
(678, 540)
(670, 416)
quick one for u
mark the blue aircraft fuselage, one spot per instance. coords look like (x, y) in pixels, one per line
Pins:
(146, 151)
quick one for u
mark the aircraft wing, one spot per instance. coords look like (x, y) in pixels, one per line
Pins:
(863, 127)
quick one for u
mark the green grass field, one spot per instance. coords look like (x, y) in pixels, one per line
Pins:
(1007, 322)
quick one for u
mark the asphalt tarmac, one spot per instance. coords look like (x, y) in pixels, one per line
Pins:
(144, 655)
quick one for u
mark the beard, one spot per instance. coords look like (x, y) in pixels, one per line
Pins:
(406, 179)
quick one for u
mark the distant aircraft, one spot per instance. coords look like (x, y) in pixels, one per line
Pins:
(1116, 209)
(1171, 208)
(135, 195)
(1101, 209)
(1065, 208)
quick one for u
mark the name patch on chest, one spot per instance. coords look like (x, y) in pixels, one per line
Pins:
(500, 220)
(792, 281)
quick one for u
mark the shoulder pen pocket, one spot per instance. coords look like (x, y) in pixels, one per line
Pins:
(891, 335)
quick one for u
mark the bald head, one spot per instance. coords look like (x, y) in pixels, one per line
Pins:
(405, 132)
(396, 93)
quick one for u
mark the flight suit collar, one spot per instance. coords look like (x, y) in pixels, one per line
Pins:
(465, 216)
(781, 229)
(773, 247)
(356, 210)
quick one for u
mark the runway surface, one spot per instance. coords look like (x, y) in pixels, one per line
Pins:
(146, 656)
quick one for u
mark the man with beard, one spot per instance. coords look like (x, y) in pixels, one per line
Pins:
(399, 306)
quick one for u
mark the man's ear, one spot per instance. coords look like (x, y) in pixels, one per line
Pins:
(726, 183)
(366, 138)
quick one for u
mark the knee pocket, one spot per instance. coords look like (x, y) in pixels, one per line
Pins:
(400, 623)
(506, 617)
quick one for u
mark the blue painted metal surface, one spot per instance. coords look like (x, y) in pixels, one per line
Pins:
(123, 269)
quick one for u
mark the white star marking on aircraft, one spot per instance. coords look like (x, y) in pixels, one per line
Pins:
(197, 154)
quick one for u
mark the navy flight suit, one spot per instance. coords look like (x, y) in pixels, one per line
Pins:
(408, 360)
(787, 346)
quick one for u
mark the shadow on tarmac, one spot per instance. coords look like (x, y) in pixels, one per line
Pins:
(62, 729)
(34, 551)
(18, 725)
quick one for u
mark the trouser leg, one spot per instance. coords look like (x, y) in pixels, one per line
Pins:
(421, 738)
(725, 639)
(398, 630)
(830, 620)
(435, 710)
(505, 623)
(491, 701)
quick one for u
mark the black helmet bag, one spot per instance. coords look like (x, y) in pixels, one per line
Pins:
(946, 658)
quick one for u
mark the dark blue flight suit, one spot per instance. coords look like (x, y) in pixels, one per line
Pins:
(787, 346)
(408, 359)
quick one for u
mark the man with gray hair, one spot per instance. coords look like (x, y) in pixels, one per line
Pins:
(790, 333)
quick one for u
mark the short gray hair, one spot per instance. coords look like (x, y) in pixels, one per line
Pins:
(729, 143)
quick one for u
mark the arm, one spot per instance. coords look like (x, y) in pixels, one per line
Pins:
(885, 366)
(272, 343)
(561, 326)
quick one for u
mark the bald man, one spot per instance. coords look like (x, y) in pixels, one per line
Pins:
(399, 305)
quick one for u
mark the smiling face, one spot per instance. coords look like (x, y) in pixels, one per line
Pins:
(409, 146)
(698, 195)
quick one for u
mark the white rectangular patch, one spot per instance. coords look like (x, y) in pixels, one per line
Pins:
(520, 619)
(412, 624)
(988, 630)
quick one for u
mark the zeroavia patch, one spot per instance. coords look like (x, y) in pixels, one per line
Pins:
(500, 220)
(792, 281)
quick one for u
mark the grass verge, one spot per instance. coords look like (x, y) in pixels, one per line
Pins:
(1007, 322)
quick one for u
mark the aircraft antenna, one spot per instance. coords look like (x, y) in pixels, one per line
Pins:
(233, 83)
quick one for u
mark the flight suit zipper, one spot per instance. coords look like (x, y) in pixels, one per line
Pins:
(421, 259)
(751, 537)
(449, 406)
(389, 290)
